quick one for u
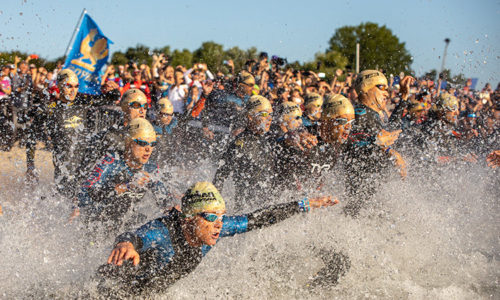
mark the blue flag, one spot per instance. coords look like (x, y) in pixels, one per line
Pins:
(89, 53)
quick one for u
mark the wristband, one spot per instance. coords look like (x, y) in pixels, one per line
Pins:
(304, 205)
(388, 149)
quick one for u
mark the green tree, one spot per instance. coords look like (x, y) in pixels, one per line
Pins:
(164, 50)
(184, 58)
(119, 58)
(238, 56)
(458, 79)
(209, 53)
(252, 53)
(432, 74)
(140, 55)
(379, 47)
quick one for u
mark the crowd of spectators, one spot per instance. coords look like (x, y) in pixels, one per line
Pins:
(26, 89)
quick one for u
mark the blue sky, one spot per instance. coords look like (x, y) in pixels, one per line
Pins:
(286, 28)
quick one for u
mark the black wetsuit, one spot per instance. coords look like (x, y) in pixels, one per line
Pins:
(169, 150)
(251, 158)
(102, 143)
(67, 128)
(442, 140)
(166, 256)
(306, 169)
(412, 141)
(366, 162)
(222, 114)
(97, 196)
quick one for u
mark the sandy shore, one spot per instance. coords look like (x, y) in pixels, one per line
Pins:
(13, 170)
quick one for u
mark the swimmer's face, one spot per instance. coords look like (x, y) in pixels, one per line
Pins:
(165, 118)
(293, 122)
(314, 111)
(451, 116)
(137, 109)
(418, 114)
(260, 122)
(246, 88)
(208, 232)
(336, 130)
(141, 149)
(69, 89)
(379, 94)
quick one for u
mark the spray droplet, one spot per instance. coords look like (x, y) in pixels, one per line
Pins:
(20, 13)
(477, 41)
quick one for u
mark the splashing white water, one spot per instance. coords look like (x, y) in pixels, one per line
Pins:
(433, 236)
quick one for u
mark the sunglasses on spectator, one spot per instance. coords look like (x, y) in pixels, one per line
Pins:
(165, 115)
(210, 217)
(143, 143)
(72, 86)
(382, 87)
(137, 105)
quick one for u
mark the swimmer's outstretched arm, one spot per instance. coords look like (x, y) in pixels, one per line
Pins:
(270, 215)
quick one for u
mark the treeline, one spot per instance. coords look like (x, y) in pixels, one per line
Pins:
(380, 49)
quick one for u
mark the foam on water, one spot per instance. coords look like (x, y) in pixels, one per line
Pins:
(432, 236)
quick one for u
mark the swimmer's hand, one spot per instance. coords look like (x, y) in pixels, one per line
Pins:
(387, 138)
(493, 159)
(324, 201)
(74, 214)
(399, 162)
(302, 140)
(123, 251)
(208, 134)
(405, 87)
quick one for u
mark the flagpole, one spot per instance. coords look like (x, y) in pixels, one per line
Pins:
(84, 11)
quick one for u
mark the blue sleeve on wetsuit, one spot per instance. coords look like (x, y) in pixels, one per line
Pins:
(154, 234)
(163, 196)
(169, 128)
(234, 225)
(98, 179)
(234, 99)
(306, 122)
(158, 129)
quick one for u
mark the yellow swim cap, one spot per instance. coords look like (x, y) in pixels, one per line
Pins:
(132, 95)
(141, 129)
(290, 111)
(416, 106)
(258, 103)
(336, 105)
(367, 79)
(166, 106)
(313, 99)
(447, 102)
(202, 197)
(246, 78)
(66, 76)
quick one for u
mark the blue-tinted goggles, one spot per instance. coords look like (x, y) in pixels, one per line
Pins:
(211, 217)
(144, 143)
(137, 105)
(343, 121)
